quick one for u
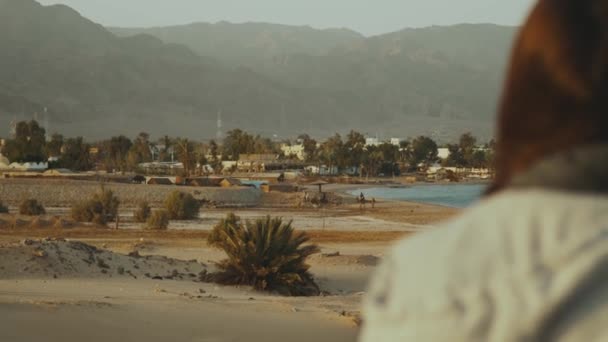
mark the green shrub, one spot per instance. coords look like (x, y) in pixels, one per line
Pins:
(182, 206)
(216, 237)
(100, 209)
(142, 213)
(159, 220)
(268, 255)
(31, 207)
(3, 208)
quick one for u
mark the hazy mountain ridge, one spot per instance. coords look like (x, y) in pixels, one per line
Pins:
(287, 80)
(452, 72)
(89, 78)
(248, 44)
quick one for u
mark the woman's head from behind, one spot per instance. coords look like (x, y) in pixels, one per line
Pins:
(556, 93)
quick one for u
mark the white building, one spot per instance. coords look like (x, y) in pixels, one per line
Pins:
(229, 165)
(372, 142)
(5, 164)
(321, 171)
(29, 166)
(294, 150)
(397, 141)
(443, 152)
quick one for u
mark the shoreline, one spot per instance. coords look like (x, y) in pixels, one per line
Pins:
(344, 191)
(344, 188)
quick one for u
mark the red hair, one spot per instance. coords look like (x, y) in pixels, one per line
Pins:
(556, 93)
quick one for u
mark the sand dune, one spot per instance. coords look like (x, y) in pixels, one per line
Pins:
(58, 258)
(74, 291)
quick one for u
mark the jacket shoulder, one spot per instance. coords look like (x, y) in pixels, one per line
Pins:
(479, 266)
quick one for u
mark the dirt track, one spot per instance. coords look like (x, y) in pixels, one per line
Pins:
(186, 236)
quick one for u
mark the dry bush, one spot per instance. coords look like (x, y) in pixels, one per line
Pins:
(182, 206)
(17, 223)
(215, 237)
(159, 220)
(31, 207)
(38, 223)
(142, 213)
(3, 208)
(268, 255)
(60, 223)
(100, 209)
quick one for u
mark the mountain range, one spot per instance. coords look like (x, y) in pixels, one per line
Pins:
(270, 79)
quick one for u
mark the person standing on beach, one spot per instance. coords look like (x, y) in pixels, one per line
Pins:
(361, 201)
(530, 261)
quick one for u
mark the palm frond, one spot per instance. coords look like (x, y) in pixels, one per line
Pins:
(267, 254)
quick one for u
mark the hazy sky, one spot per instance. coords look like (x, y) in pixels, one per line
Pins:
(366, 16)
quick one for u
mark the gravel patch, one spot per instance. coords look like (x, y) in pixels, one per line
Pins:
(64, 193)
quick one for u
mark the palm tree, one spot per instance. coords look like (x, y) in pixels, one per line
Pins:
(268, 255)
(186, 154)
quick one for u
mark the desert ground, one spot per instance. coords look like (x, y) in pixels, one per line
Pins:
(62, 281)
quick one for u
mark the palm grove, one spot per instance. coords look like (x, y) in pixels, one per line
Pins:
(342, 154)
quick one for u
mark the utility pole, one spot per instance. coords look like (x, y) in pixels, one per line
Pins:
(46, 124)
(219, 133)
(13, 129)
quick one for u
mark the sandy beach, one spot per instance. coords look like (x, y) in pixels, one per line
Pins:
(138, 285)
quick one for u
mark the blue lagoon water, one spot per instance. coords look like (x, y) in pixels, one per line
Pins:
(257, 184)
(457, 195)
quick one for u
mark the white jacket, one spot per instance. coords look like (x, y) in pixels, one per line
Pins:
(523, 265)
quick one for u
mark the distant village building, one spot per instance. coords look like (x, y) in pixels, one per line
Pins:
(443, 153)
(35, 167)
(256, 162)
(440, 173)
(205, 168)
(6, 165)
(229, 166)
(322, 170)
(161, 167)
(294, 150)
(230, 182)
(396, 141)
(372, 142)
